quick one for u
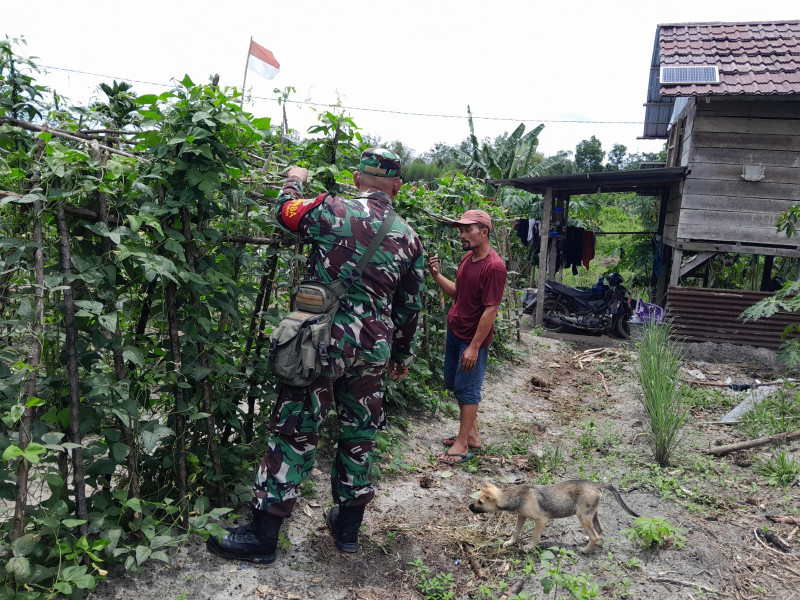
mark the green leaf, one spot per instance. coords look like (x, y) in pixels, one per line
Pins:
(34, 401)
(15, 413)
(88, 308)
(120, 451)
(160, 555)
(135, 222)
(23, 545)
(134, 504)
(33, 452)
(73, 522)
(201, 373)
(199, 415)
(134, 355)
(63, 587)
(19, 567)
(109, 321)
(142, 554)
(84, 582)
(150, 114)
(52, 437)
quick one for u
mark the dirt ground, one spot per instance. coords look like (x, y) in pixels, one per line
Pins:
(543, 416)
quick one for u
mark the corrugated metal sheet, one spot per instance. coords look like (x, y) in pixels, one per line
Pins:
(711, 315)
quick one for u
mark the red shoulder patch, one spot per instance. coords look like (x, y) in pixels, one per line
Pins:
(294, 210)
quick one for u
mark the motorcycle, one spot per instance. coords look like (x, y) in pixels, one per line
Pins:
(602, 309)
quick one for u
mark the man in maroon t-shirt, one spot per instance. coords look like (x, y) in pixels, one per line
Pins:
(478, 292)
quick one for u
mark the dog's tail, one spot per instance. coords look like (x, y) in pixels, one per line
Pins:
(613, 490)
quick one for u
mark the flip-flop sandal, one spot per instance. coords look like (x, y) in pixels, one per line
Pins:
(449, 441)
(464, 458)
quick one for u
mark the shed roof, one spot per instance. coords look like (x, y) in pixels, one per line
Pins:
(754, 59)
(644, 181)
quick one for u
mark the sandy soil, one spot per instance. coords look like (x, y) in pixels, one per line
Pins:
(543, 404)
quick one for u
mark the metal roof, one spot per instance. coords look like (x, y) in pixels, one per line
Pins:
(754, 59)
(644, 181)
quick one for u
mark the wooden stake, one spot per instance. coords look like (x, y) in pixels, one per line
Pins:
(544, 235)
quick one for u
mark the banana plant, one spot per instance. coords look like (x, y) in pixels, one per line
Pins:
(513, 156)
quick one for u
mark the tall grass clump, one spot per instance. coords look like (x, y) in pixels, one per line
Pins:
(661, 391)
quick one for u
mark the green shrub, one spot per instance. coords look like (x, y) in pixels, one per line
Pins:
(655, 531)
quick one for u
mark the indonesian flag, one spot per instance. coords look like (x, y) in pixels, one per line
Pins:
(262, 61)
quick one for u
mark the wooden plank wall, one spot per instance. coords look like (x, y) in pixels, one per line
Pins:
(721, 137)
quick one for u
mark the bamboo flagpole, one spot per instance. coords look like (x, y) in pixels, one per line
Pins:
(260, 60)
(246, 65)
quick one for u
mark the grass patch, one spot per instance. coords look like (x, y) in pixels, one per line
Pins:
(779, 470)
(698, 399)
(661, 394)
(777, 413)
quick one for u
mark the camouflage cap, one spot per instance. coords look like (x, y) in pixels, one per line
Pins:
(379, 162)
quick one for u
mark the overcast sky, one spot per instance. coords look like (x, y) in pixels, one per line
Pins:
(514, 62)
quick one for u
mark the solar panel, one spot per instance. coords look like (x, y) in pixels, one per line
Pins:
(693, 74)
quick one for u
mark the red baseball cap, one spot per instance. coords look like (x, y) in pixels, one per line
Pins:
(472, 217)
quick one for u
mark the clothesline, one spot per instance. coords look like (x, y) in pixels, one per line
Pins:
(624, 232)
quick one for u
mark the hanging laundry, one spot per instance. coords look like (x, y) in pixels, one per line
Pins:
(588, 247)
(573, 248)
(522, 231)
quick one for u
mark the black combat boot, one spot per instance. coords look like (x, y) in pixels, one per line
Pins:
(255, 542)
(344, 523)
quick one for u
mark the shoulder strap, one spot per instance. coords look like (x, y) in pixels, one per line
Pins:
(356, 271)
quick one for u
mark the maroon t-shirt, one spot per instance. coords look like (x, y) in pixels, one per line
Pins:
(478, 285)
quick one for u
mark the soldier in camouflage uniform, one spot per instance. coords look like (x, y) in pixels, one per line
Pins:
(372, 337)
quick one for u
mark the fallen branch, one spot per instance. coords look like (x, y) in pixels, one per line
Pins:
(785, 519)
(684, 584)
(514, 588)
(727, 385)
(762, 441)
(476, 566)
(605, 387)
(775, 541)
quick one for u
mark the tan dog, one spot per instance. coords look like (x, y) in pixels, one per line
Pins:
(541, 503)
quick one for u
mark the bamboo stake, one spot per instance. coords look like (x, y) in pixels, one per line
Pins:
(203, 359)
(69, 136)
(251, 397)
(119, 363)
(34, 358)
(180, 403)
(72, 372)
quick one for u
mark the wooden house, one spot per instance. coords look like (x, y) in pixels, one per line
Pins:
(726, 97)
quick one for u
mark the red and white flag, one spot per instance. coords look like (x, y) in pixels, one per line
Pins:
(262, 61)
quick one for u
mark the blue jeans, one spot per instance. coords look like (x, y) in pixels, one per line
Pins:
(466, 385)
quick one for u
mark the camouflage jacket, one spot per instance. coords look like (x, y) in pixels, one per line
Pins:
(378, 319)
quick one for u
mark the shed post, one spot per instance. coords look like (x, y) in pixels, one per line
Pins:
(675, 271)
(544, 235)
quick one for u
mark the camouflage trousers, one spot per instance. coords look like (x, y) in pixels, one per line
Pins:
(357, 389)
